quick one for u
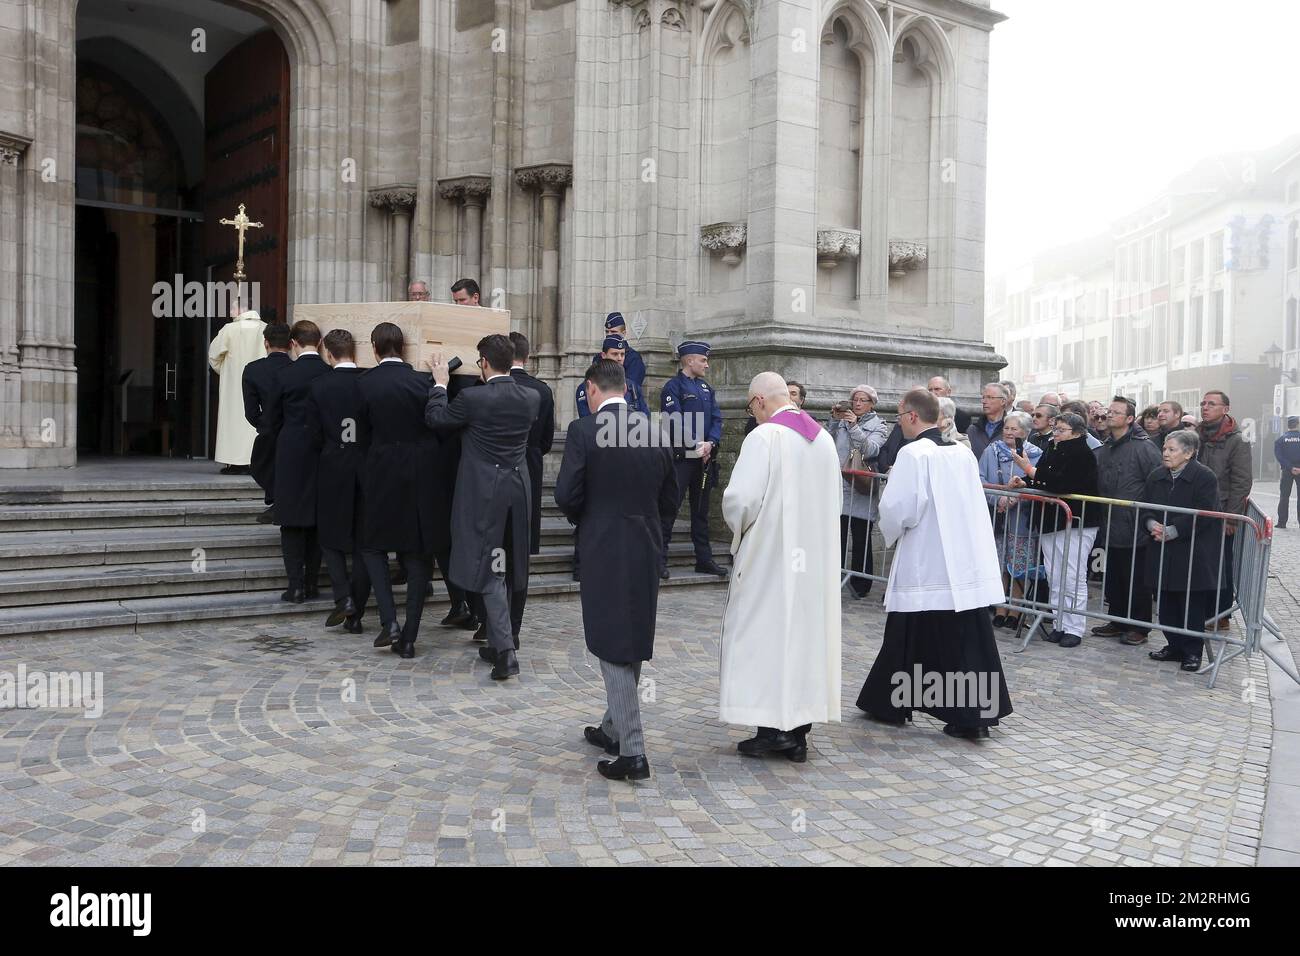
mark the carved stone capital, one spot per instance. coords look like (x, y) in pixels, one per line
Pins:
(727, 238)
(545, 177)
(906, 255)
(467, 189)
(11, 147)
(834, 245)
(393, 197)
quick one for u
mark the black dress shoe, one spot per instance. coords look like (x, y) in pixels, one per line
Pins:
(624, 768)
(235, 470)
(1190, 664)
(1166, 653)
(353, 625)
(598, 738)
(663, 574)
(710, 567)
(342, 611)
(481, 633)
(293, 596)
(487, 654)
(387, 634)
(999, 620)
(966, 733)
(458, 615)
(506, 666)
(1054, 636)
(404, 649)
(1070, 640)
(777, 743)
(267, 516)
(311, 593)
(797, 753)
(1108, 630)
(471, 623)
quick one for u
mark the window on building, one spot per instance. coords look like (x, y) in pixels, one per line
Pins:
(1180, 265)
(1219, 321)
(1162, 257)
(1180, 328)
(1103, 356)
(1196, 336)
(1216, 251)
(1160, 333)
(1197, 270)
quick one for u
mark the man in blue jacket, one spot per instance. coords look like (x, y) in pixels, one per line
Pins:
(690, 410)
(615, 347)
(633, 363)
(1287, 452)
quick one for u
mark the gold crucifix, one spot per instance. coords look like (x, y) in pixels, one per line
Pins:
(242, 223)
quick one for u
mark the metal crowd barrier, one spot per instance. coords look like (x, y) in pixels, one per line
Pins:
(1241, 567)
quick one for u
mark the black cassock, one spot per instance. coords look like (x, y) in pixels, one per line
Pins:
(295, 443)
(491, 509)
(398, 483)
(335, 401)
(540, 438)
(619, 497)
(258, 383)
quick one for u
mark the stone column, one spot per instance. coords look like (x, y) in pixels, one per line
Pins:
(471, 193)
(399, 200)
(11, 149)
(551, 180)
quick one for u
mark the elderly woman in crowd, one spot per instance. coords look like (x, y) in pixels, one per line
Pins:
(1182, 560)
(1068, 467)
(1012, 521)
(948, 422)
(1150, 420)
(859, 433)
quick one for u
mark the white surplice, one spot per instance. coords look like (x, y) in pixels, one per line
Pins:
(237, 343)
(947, 559)
(781, 626)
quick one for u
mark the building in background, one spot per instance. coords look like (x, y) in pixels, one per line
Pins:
(1288, 337)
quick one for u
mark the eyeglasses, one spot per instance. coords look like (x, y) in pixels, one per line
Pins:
(1210, 404)
(749, 404)
(418, 295)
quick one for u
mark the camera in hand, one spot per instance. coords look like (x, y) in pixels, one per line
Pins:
(454, 364)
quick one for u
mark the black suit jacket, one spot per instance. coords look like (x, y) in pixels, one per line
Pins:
(493, 494)
(295, 448)
(620, 497)
(540, 438)
(257, 384)
(335, 415)
(398, 488)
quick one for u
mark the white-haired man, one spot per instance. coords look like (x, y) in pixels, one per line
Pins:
(781, 627)
(995, 400)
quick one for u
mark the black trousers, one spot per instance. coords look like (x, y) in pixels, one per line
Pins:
(690, 478)
(1284, 496)
(417, 589)
(1119, 566)
(344, 584)
(1186, 609)
(443, 558)
(301, 557)
(1226, 592)
(860, 557)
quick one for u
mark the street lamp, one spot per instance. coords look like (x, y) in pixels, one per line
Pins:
(1273, 357)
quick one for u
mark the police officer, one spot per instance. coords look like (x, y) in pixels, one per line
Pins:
(691, 410)
(615, 347)
(633, 363)
(1287, 452)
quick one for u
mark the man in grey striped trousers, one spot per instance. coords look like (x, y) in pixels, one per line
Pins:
(618, 489)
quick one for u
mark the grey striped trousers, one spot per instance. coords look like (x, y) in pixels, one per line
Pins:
(622, 721)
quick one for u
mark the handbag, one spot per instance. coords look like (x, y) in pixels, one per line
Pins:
(861, 485)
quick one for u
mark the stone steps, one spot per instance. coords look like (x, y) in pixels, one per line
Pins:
(251, 607)
(33, 587)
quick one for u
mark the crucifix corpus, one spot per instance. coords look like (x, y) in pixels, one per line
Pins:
(242, 224)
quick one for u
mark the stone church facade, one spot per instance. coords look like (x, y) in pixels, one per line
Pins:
(799, 182)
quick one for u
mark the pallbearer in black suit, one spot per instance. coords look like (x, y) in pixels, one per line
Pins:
(259, 379)
(619, 490)
(539, 438)
(489, 522)
(295, 462)
(335, 401)
(397, 484)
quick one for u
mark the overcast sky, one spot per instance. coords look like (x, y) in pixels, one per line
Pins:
(1094, 106)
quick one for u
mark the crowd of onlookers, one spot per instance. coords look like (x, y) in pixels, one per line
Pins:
(1030, 454)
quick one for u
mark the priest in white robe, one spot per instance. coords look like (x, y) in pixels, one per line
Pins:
(781, 626)
(236, 344)
(939, 655)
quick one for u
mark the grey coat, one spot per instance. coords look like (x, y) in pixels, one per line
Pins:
(868, 434)
(1123, 468)
(1228, 456)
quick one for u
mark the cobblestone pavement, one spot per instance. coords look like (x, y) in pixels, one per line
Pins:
(288, 744)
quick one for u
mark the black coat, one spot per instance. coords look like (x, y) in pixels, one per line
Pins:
(493, 496)
(1122, 470)
(335, 402)
(620, 497)
(295, 447)
(540, 438)
(1066, 468)
(258, 383)
(398, 507)
(1196, 487)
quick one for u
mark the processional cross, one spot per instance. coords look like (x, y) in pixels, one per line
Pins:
(242, 223)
